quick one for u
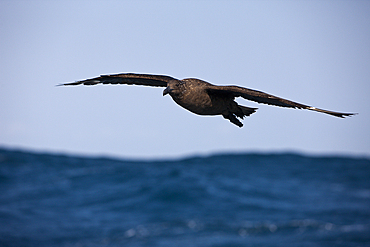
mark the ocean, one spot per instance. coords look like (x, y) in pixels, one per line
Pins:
(244, 199)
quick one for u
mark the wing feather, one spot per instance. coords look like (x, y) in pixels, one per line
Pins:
(265, 98)
(126, 78)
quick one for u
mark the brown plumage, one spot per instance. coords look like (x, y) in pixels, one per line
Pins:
(203, 98)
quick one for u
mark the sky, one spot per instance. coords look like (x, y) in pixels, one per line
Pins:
(311, 52)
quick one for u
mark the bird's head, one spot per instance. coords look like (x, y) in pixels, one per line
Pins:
(174, 88)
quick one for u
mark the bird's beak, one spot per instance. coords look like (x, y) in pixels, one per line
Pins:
(166, 91)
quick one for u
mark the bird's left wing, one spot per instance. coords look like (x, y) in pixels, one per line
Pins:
(128, 78)
(264, 98)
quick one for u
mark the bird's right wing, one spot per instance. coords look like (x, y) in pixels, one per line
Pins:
(254, 95)
(128, 78)
(265, 98)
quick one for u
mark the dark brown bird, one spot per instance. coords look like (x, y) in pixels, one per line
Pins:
(203, 98)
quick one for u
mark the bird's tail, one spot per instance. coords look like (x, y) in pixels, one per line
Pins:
(240, 112)
(246, 111)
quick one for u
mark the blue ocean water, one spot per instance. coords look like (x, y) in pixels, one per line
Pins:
(220, 200)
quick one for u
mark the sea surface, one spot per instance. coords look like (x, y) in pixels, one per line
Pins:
(245, 199)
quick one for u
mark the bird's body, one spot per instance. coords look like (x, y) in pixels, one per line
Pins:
(203, 98)
(194, 98)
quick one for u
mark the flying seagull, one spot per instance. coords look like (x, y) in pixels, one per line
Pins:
(201, 97)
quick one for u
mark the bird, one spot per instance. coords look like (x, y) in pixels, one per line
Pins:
(203, 98)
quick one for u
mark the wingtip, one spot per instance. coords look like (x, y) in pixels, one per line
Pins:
(352, 114)
(333, 113)
(344, 115)
(70, 83)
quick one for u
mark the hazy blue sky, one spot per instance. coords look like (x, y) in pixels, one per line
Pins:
(312, 52)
